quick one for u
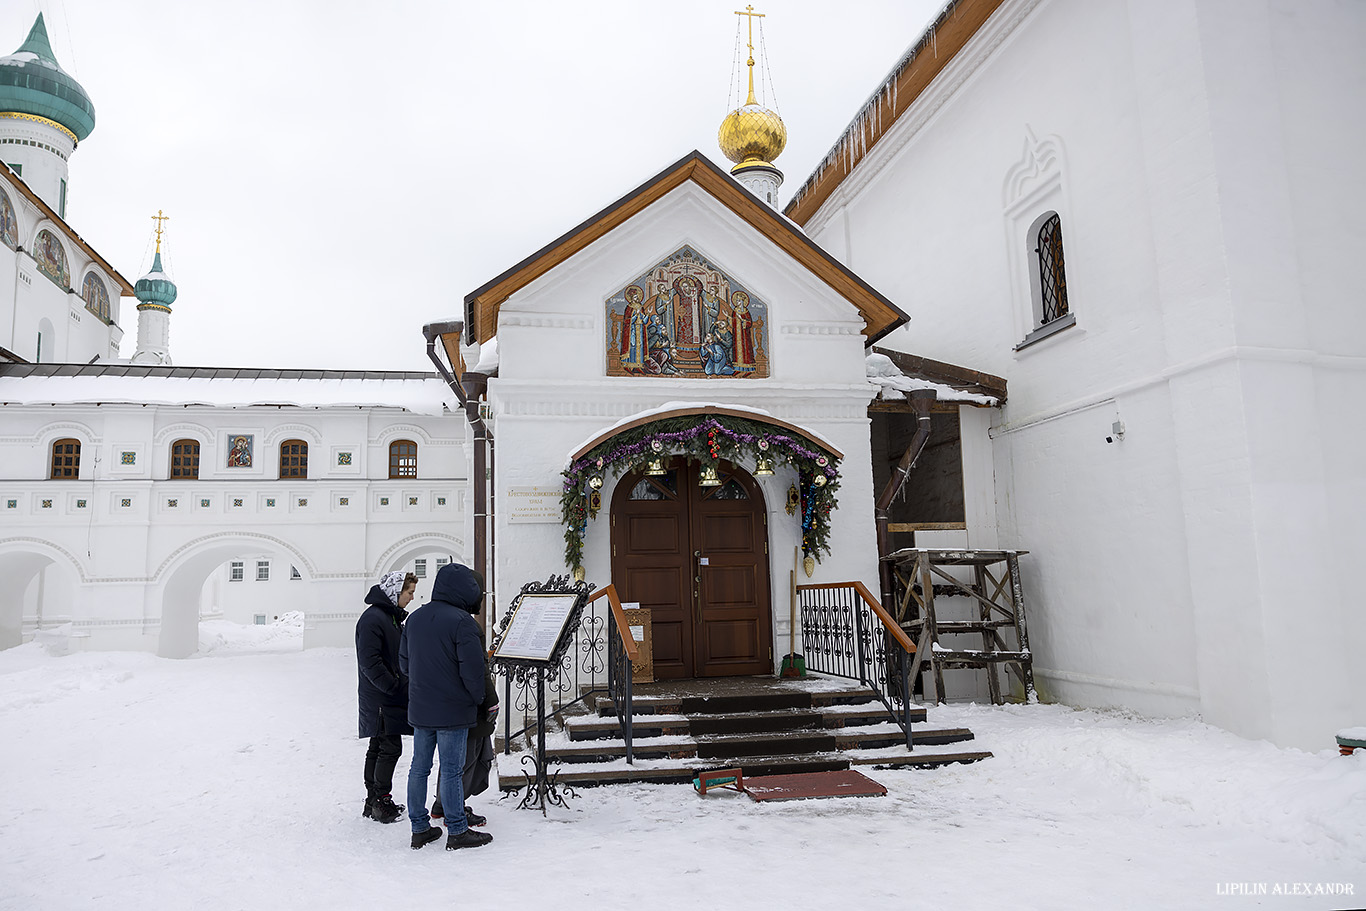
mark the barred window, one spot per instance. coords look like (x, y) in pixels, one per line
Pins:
(185, 459)
(402, 459)
(1052, 276)
(66, 459)
(293, 459)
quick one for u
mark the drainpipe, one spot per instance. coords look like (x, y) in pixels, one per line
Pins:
(483, 441)
(921, 400)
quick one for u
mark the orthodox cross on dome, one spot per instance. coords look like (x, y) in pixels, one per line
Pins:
(749, 11)
(159, 218)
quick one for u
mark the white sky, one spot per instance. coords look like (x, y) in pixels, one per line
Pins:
(336, 176)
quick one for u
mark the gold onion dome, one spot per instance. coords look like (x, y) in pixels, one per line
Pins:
(752, 136)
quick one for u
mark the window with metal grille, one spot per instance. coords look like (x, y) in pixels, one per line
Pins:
(262, 571)
(402, 459)
(1052, 277)
(236, 571)
(66, 459)
(185, 459)
(293, 459)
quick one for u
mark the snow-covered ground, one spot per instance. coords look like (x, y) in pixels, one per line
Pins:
(144, 783)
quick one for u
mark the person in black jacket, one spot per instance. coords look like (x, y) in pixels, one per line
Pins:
(383, 690)
(442, 652)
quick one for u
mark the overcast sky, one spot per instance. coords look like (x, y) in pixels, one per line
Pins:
(337, 175)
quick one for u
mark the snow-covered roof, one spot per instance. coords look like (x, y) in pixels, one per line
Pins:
(892, 384)
(50, 384)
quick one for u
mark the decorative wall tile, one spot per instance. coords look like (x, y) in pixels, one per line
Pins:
(412, 501)
(303, 501)
(80, 504)
(270, 502)
(343, 458)
(345, 501)
(11, 504)
(236, 501)
(47, 504)
(204, 504)
(128, 458)
(440, 501)
(126, 502)
(172, 504)
(383, 501)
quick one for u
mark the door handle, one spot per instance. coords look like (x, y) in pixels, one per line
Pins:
(697, 586)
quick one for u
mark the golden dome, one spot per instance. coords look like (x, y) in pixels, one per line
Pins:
(752, 135)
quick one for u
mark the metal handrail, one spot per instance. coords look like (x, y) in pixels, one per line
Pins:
(622, 656)
(836, 634)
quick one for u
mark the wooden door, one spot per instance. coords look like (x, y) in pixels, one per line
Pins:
(698, 558)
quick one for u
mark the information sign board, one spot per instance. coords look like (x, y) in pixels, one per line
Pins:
(535, 627)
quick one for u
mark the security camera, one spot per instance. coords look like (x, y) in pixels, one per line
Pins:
(1116, 432)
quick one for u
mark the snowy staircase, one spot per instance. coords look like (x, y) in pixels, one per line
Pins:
(761, 725)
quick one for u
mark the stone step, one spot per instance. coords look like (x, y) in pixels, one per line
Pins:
(684, 771)
(735, 704)
(793, 743)
(653, 725)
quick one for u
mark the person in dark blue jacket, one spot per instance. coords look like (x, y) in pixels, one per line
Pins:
(383, 690)
(442, 652)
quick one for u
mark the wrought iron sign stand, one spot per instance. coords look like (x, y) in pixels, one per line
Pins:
(530, 646)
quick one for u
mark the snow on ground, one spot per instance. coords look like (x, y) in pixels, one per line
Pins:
(144, 783)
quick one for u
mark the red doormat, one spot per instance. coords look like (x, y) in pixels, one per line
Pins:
(847, 783)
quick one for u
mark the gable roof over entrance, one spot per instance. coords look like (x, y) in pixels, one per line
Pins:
(879, 314)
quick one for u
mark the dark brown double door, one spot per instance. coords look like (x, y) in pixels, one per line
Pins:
(697, 557)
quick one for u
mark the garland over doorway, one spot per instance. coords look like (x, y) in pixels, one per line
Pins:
(709, 434)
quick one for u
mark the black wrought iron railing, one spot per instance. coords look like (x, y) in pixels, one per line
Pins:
(602, 645)
(846, 633)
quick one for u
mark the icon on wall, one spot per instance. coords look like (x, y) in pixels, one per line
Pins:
(239, 450)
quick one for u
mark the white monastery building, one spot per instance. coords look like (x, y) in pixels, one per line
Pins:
(1078, 282)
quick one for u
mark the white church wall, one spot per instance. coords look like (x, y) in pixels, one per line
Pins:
(551, 394)
(1196, 217)
(141, 547)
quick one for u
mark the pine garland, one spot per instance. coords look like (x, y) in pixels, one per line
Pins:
(709, 439)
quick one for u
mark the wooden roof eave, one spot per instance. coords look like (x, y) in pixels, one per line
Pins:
(881, 316)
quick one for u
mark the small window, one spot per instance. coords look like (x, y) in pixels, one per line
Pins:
(294, 574)
(262, 570)
(235, 571)
(61, 199)
(66, 459)
(420, 568)
(260, 620)
(293, 459)
(441, 561)
(185, 459)
(402, 459)
(16, 168)
(1052, 275)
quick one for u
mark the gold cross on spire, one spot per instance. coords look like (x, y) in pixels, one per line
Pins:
(159, 218)
(749, 11)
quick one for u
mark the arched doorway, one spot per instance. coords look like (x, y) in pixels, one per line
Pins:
(698, 558)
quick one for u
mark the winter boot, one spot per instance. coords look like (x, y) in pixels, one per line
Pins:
(474, 819)
(437, 811)
(369, 810)
(426, 837)
(467, 839)
(383, 809)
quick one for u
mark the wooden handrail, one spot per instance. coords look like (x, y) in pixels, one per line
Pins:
(619, 616)
(878, 610)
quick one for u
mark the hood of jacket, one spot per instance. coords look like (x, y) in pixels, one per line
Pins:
(459, 585)
(377, 598)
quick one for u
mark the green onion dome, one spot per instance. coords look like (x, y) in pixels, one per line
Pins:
(155, 287)
(32, 83)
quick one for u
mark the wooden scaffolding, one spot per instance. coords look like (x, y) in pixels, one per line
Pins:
(921, 574)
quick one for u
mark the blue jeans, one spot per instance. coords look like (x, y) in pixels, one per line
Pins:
(450, 742)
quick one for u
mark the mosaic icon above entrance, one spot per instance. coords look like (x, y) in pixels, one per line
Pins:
(684, 317)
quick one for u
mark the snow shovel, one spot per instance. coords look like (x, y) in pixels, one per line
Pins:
(794, 665)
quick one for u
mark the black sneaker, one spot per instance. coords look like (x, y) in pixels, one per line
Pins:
(426, 837)
(383, 809)
(474, 819)
(467, 839)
